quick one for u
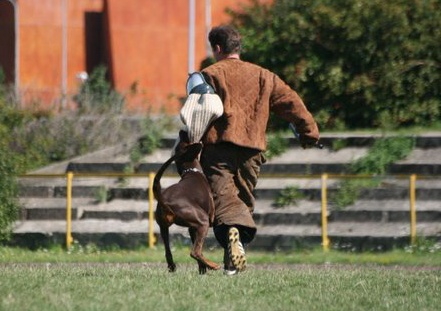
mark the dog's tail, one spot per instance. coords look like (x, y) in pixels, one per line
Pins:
(157, 189)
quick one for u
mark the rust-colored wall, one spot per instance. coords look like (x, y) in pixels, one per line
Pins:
(40, 53)
(40, 27)
(147, 42)
(148, 45)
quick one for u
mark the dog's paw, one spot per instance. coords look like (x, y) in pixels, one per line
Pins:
(202, 269)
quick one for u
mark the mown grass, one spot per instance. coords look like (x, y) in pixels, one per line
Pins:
(150, 287)
(92, 279)
(426, 253)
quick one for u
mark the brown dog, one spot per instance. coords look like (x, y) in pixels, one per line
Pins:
(188, 203)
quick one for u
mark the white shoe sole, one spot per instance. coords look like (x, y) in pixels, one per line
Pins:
(230, 272)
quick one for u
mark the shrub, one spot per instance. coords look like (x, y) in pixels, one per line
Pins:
(97, 96)
(363, 63)
(276, 144)
(384, 152)
(9, 205)
(39, 142)
(288, 196)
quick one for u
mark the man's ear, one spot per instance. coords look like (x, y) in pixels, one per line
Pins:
(217, 49)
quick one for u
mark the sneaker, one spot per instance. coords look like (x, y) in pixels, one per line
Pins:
(235, 250)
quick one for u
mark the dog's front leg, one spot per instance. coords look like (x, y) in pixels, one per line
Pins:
(198, 239)
(202, 265)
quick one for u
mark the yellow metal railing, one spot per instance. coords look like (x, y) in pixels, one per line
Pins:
(412, 199)
(69, 176)
(151, 236)
(324, 197)
(69, 239)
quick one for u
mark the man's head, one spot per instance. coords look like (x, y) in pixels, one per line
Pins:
(225, 41)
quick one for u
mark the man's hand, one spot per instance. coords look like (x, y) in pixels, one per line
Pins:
(305, 142)
(308, 143)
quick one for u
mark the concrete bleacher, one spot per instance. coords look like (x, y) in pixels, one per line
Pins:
(379, 219)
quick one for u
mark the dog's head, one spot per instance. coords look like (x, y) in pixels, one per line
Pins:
(188, 154)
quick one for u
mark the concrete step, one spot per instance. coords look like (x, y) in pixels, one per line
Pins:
(261, 192)
(353, 145)
(269, 168)
(295, 160)
(347, 140)
(353, 236)
(366, 211)
(55, 209)
(130, 234)
(378, 220)
(305, 212)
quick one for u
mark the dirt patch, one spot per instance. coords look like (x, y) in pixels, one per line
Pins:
(269, 266)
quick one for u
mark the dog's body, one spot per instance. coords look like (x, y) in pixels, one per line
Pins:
(188, 203)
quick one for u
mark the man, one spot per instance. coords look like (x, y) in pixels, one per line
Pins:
(234, 143)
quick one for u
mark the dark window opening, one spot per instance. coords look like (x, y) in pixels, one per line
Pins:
(95, 41)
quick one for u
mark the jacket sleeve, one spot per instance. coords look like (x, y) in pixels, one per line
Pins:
(287, 104)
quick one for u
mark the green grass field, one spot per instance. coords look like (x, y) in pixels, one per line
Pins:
(91, 279)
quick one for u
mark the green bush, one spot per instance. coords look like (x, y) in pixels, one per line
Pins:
(9, 164)
(96, 94)
(42, 141)
(384, 152)
(288, 196)
(350, 190)
(151, 133)
(276, 144)
(361, 63)
(9, 205)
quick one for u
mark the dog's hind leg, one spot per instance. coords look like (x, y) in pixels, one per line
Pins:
(198, 237)
(168, 254)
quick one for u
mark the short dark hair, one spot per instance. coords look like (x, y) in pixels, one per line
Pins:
(227, 37)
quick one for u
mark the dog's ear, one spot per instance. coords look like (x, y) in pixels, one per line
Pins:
(190, 152)
(187, 155)
(182, 143)
(183, 136)
(194, 149)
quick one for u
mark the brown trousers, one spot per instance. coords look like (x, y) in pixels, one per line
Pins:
(232, 172)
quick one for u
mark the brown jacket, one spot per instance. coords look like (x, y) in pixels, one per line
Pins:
(249, 92)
